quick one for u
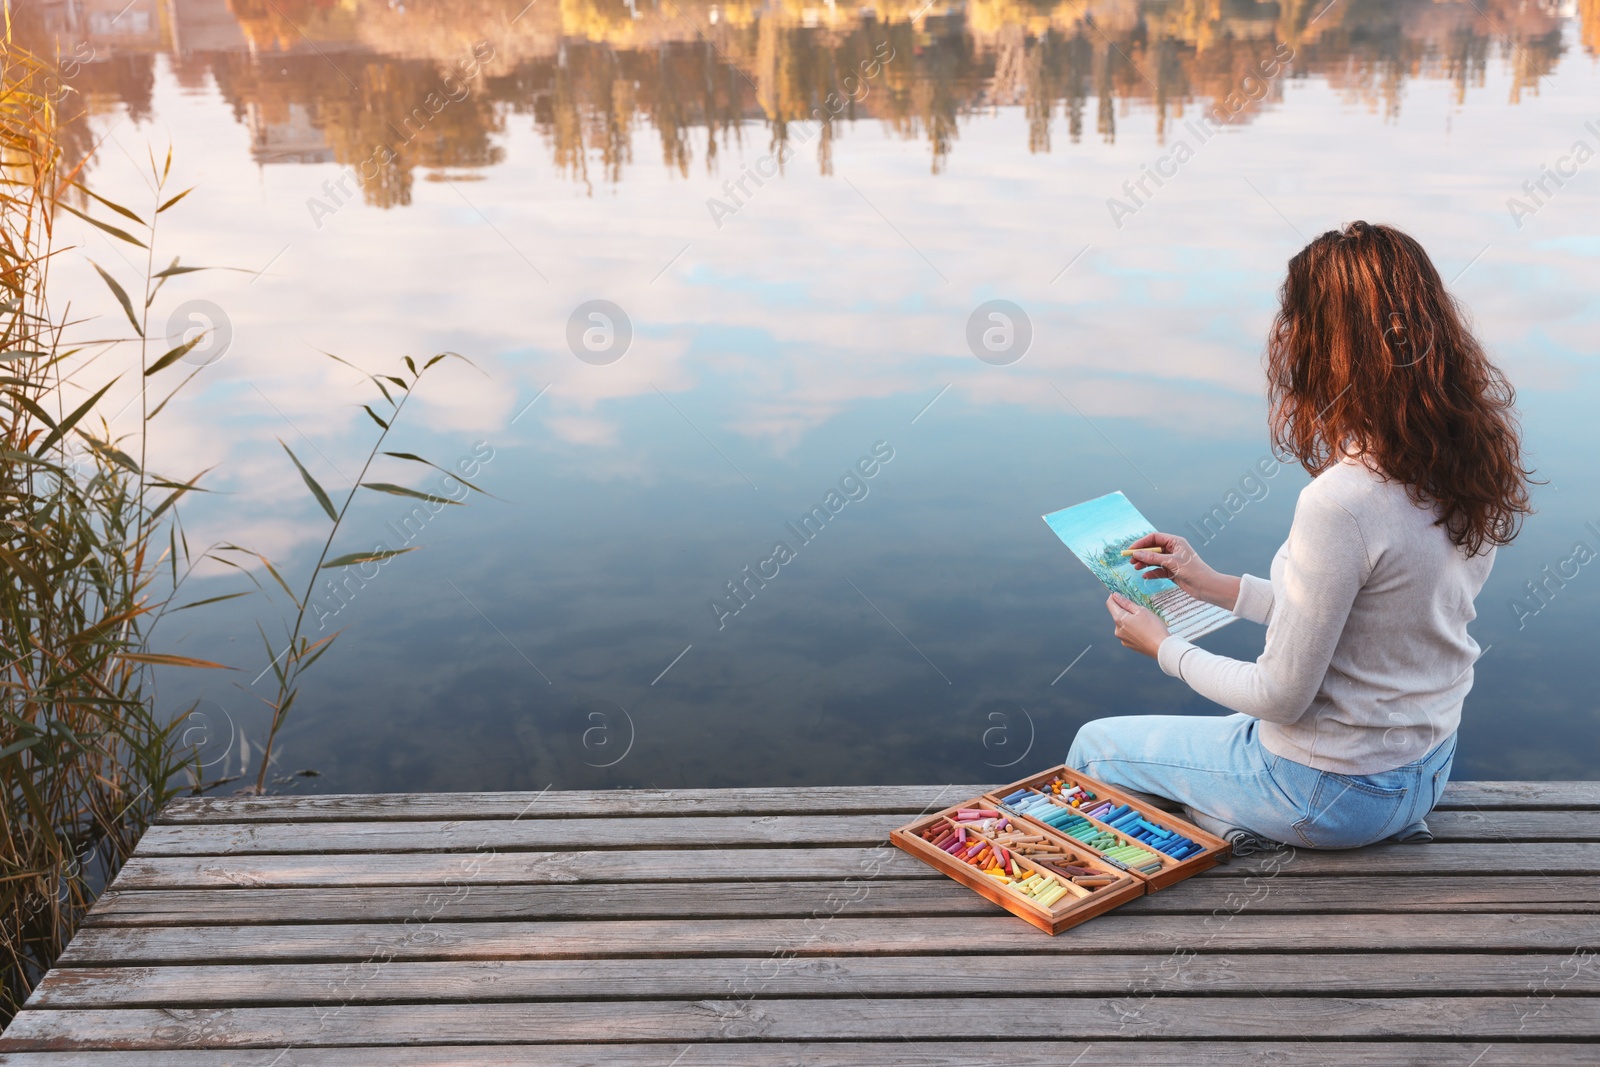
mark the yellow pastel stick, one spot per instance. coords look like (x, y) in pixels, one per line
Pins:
(1156, 551)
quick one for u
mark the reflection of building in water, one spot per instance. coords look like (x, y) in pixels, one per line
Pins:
(204, 26)
(99, 28)
(290, 138)
(345, 79)
(113, 24)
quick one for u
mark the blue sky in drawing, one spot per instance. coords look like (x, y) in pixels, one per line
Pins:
(1085, 527)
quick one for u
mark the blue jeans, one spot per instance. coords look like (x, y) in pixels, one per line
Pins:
(1217, 768)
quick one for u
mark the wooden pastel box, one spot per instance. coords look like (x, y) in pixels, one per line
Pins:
(1059, 847)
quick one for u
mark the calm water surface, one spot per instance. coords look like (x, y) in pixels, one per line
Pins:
(798, 210)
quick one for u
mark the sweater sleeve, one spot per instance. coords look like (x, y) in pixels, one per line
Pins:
(1326, 565)
(1255, 599)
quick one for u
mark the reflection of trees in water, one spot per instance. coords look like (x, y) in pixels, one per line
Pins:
(344, 80)
(946, 77)
(75, 88)
(588, 101)
(373, 113)
(1371, 56)
(128, 78)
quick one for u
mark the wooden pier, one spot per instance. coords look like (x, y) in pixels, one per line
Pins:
(765, 927)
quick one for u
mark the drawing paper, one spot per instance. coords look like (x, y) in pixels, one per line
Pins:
(1098, 530)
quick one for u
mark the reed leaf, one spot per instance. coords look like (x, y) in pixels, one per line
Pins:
(121, 235)
(173, 355)
(175, 270)
(400, 490)
(97, 198)
(60, 429)
(409, 457)
(210, 600)
(173, 201)
(174, 661)
(311, 483)
(122, 297)
(378, 555)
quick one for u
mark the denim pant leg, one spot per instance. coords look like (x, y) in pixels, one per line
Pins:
(1214, 765)
(1434, 777)
(1348, 811)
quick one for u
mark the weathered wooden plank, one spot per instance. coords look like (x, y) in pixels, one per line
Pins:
(1514, 825)
(521, 868)
(206, 907)
(989, 1053)
(787, 864)
(576, 803)
(394, 836)
(1132, 977)
(1483, 857)
(577, 939)
(842, 1018)
(672, 831)
(792, 800)
(1511, 795)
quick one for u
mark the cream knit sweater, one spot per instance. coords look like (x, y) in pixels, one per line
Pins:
(1367, 657)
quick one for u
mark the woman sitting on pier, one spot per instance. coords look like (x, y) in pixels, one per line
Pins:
(1347, 721)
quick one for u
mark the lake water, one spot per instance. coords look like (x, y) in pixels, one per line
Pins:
(797, 211)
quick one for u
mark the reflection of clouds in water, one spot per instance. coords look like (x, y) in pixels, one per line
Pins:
(816, 680)
(848, 702)
(813, 684)
(807, 305)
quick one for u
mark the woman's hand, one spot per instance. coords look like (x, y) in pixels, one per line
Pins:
(1137, 627)
(1184, 566)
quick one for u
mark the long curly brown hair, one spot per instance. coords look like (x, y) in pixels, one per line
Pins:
(1370, 353)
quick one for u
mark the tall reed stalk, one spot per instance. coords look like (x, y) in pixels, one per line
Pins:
(92, 550)
(298, 652)
(85, 533)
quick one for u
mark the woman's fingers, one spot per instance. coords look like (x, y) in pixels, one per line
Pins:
(1156, 539)
(1136, 626)
(1162, 548)
(1171, 544)
(1122, 610)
